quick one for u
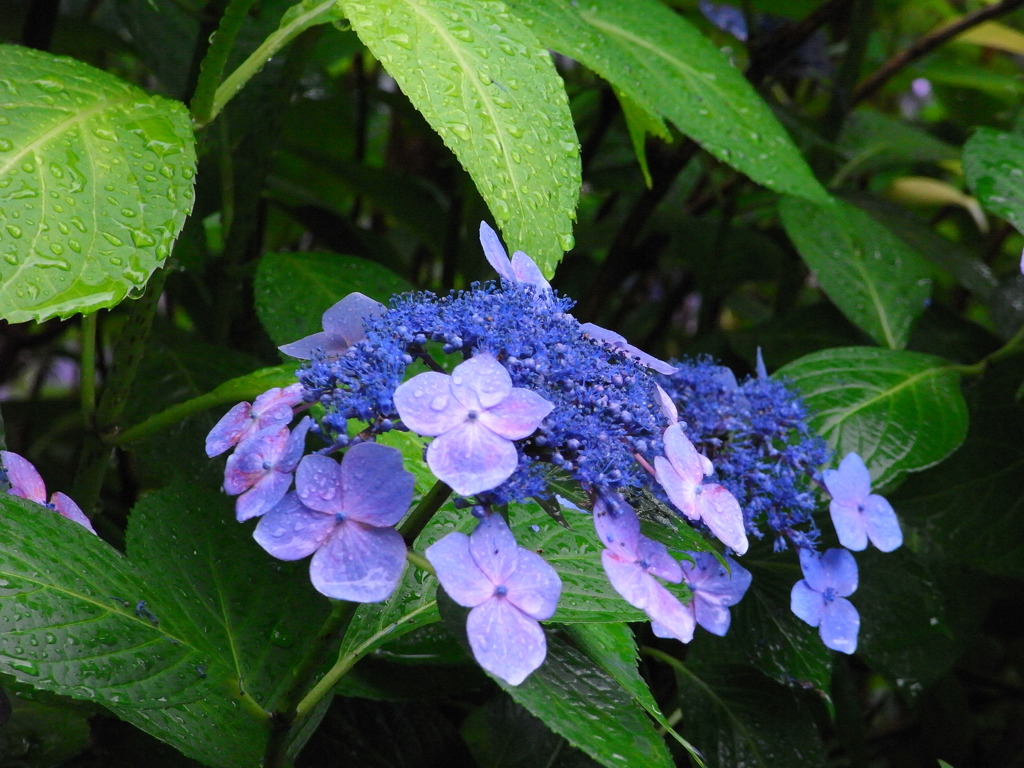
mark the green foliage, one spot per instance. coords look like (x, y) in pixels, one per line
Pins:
(992, 164)
(96, 179)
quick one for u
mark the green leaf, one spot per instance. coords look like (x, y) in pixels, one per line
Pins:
(872, 140)
(994, 166)
(96, 179)
(901, 411)
(489, 88)
(737, 717)
(68, 606)
(294, 289)
(658, 60)
(40, 735)
(641, 123)
(873, 277)
(589, 708)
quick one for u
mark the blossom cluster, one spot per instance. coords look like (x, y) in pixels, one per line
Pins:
(514, 392)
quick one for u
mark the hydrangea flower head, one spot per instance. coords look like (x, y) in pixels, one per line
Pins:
(343, 327)
(474, 415)
(520, 269)
(261, 468)
(509, 589)
(715, 588)
(272, 409)
(344, 513)
(820, 597)
(26, 483)
(632, 561)
(681, 473)
(857, 514)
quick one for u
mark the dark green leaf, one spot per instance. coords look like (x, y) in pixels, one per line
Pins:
(901, 411)
(294, 289)
(653, 56)
(97, 179)
(40, 735)
(994, 166)
(489, 88)
(872, 276)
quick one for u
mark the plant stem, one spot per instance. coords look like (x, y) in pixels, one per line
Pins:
(417, 520)
(87, 368)
(1011, 347)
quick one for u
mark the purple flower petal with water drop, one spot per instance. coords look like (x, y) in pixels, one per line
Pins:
(342, 327)
(631, 561)
(509, 589)
(715, 588)
(820, 597)
(474, 416)
(27, 483)
(274, 408)
(343, 515)
(857, 514)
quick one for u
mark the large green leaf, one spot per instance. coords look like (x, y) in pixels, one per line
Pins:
(294, 289)
(490, 89)
(660, 62)
(96, 179)
(901, 411)
(72, 618)
(994, 166)
(872, 276)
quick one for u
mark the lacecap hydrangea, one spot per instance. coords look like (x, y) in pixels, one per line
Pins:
(515, 393)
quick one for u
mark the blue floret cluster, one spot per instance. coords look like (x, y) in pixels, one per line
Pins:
(511, 393)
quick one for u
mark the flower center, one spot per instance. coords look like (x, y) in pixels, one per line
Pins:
(500, 591)
(829, 594)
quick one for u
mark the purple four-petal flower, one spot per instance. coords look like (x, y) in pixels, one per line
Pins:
(509, 588)
(261, 468)
(474, 416)
(820, 597)
(27, 483)
(631, 561)
(715, 588)
(858, 514)
(345, 513)
(681, 472)
(272, 409)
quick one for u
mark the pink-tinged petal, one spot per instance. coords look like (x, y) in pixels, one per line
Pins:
(24, 479)
(658, 561)
(262, 497)
(495, 252)
(253, 459)
(713, 617)
(480, 382)
(711, 582)
(494, 549)
(505, 642)
(603, 335)
(839, 626)
(291, 531)
(458, 572)
(518, 415)
(690, 464)
(471, 458)
(359, 563)
(526, 271)
(294, 447)
(345, 319)
(669, 617)
(427, 406)
(882, 526)
(807, 603)
(668, 408)
(275, 405)
(307, 347)
(681, 491)
(849, 524)
(617, 526)
(228, 431)
(722, 514)
(840, 571)
(67, 508)
(376, 488)
(534, 588)
(318, 483)
(627, 578)
(623, 347)
(851, 483)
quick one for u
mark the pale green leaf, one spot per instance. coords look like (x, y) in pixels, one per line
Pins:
(872, 276)
(96, 179)
(657, 59)
(901, 411)
(490, 89)
(993, 166)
